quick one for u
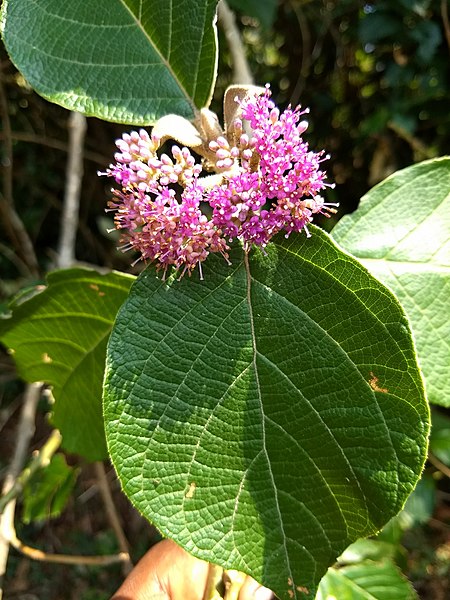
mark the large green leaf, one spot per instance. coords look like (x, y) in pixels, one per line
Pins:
(59, 336)
(366, 581)
(266, 417)
(129, 61)
(401, 233)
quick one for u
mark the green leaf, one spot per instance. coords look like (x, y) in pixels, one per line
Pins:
(368, 549)
(440, 437)
(59, 336)
(401, 233)
(46, 494)
(268, 416)
(128, 61)
(366, 581)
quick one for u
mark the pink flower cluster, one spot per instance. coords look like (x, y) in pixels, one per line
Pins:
(266, 180)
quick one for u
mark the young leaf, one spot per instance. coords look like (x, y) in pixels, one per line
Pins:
(59, 336)
(46, 494)
(366, 581)
(401, 233)
(129, 61)
(268, 416)
(369, 549)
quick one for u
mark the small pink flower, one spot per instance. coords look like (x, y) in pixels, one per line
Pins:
(267, 180)
(275, 181)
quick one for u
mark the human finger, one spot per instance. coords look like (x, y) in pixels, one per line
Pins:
(166, 572)
(252, 590)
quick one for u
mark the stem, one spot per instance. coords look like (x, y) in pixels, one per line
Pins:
(227, 20)
(15, 259)
(418, 147)
(66, 559)
(14, 226)
(25, 432)
(439, 465)
(113, 517)
(306, 53)
(14, 483)
(7, 412)
(74, 174)
(32, 138)
(39, 461)
(445, 20)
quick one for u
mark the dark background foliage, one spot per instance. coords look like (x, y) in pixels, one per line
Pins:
(376, 78)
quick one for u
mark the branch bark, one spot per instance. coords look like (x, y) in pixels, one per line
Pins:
(25, 432)
(227, 20)
(14, 227)
(39, 461)
(74, 175)
(113, 517)
(66, 559)
(445, 21)
(439, 464)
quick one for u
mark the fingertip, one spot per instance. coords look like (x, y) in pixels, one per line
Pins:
(252, 590)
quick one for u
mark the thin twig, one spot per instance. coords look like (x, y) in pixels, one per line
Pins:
(14, 483)
(66, 559)
(7, 162)
(15, 259)
(7, 412)
(14, 227)
(25, 432)
(445, 20)
(40, 460)
(439, 465)
(33, 138)
(438, 524)
(241, 69)
(112, 515)
(421, 151)
(306, 54)
(74, 175)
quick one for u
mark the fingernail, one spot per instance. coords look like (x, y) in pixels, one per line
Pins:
(263, 593)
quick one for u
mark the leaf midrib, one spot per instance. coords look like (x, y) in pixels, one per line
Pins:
(258, 387)
(162, 58)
